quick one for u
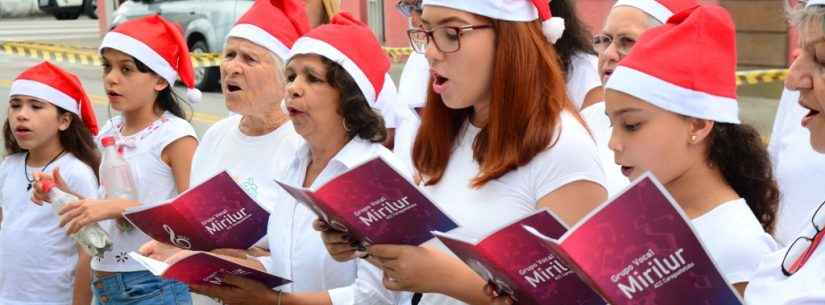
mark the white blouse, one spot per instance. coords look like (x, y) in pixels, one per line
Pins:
(297, 251)
(154, 179)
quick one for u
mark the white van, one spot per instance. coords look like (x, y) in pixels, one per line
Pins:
(205, 24)
(68, 9)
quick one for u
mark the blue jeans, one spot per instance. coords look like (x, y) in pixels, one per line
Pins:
(139, 288)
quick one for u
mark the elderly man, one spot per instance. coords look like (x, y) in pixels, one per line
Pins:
(627, 20)
(259, 141)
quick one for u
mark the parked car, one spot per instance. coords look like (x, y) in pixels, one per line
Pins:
(69, 9)
(205, 25)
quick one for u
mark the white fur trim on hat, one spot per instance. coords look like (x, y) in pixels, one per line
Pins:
(307, 45)
(814, 2)
(553, 28)
(651, 7)
(522, 11)
(142, 52)
(260, 37)
(46, 93)
(674, 98)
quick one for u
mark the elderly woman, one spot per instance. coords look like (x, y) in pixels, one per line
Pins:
(332, 87)
(794, 275)
(260, 141)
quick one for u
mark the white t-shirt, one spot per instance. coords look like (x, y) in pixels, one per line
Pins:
(599, 125)
(300, 253)
(799, 170)
(770, 286)
(583, 76)
(252, 161)
(574, 157)
(154, 179)
(734, 239)
(37, 258)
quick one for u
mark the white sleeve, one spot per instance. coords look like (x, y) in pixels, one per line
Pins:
(573, 157)
(582, 77)
(368, 289)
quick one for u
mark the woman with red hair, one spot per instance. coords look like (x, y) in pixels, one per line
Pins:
(498, 140)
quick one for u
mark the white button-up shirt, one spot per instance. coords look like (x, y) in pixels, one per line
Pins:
(297, 251)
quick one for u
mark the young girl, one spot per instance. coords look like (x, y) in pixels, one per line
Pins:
(679, 120)
(142, 59)
(50, 125)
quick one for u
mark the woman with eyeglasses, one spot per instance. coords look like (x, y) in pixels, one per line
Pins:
(796, 274)
(497, 140)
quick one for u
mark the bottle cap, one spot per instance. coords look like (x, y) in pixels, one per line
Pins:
(108, 141)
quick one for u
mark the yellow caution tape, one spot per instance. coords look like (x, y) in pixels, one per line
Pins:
(753, 77)
(90, 56)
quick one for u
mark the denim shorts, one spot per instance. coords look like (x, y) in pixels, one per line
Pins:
(139, 288)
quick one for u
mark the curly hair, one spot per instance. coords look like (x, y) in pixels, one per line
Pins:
(738, 152)
(359, 118)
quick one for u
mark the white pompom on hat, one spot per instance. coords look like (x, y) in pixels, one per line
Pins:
(513, 10)
(159, 44)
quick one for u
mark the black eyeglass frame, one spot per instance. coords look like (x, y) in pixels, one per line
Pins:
(460, 30)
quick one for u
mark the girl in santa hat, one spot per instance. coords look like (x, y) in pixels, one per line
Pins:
(679, 120)
(497, 141)
(142, 59)
(50, 125)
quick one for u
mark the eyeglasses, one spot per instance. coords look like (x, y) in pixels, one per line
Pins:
(623, 43)
(408, 8)
(803, 247)
(446, 38)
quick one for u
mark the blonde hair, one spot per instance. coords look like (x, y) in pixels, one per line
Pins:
(331, 8)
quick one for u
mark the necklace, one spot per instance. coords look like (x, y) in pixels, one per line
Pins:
(26, 168)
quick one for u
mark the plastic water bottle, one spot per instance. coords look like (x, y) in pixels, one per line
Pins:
(116, 177)
(92, 237)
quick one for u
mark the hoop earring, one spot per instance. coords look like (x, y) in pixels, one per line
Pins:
(346, 127)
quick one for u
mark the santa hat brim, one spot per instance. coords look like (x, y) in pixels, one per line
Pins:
(260, 37)
(674, 98)
(651, 7)
(307, 45)
(46, 93)
(141, 52)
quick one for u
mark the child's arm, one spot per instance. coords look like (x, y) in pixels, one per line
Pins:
(178, 155)
(83, 279)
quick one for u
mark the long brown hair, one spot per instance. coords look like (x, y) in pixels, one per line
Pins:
(528, 94)
(77, 140)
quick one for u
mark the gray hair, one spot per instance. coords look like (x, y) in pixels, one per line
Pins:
(652, 21)
(800, 15)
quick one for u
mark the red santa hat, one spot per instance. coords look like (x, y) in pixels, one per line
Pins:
(52, 84)
(158, 44)
(814, 2)
(662, 10)
(273, 24)
(512, 10)
(351, 44)
(693, 70)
